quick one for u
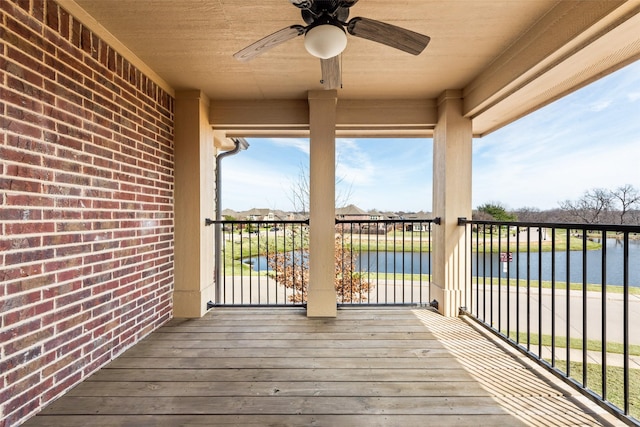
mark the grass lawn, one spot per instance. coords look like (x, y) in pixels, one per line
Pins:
(615, 383)
(633, 290)
(575, 343)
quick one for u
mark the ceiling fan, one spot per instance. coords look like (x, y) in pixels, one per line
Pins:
(325, 36)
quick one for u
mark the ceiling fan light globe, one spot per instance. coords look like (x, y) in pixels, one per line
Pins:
(325, 41)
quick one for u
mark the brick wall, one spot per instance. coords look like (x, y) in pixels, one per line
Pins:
(86, 205)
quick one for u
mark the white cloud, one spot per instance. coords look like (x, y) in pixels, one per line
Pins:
(354, 166)
(589, 139)
(599, 106)
(297, 143)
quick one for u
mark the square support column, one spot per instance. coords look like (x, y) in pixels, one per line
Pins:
(321, 295)
(452, 155)
(194, 156)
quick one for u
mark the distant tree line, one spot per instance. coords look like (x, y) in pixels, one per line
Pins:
(595, 206)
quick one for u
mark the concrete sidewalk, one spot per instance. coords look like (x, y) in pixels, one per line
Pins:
(595, 357)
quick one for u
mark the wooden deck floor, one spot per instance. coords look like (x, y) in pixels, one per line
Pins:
(368, 367)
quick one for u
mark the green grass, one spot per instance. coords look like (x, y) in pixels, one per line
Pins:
(575, 343)
(398, 241)
(615, 383)
(533, 284)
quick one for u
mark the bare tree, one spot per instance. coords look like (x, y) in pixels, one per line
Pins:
(291, 270)
(628, 198)
(300, 190)
(592, 207)
(528, 214)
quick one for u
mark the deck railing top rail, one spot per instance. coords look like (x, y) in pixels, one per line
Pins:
(621, 228)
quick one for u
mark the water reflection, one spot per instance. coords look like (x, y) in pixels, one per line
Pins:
(489, 264)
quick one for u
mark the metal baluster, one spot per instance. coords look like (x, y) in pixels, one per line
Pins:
(568, 302)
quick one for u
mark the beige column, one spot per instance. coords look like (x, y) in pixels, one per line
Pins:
(194, 157)
(451, 200)
(321, 296)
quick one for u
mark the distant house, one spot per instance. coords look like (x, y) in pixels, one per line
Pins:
(351, 213)
(354, 213)
(376, 216)
(417, 222)
(263, 214)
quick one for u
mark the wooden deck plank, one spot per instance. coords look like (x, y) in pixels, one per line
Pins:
(144, 350)
(284, 363)
(304, 343)
(301, 420)
(294, 336)
(304, 374)
(368, 366)
(289, 329)
(284, 388)
(287, 405)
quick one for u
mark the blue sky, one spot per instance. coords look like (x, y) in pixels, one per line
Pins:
(588, 139)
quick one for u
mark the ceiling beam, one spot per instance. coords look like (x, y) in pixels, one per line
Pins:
(354, 118)
(576, 43)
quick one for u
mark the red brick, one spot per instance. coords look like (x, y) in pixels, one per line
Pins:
(76, 29)
(63, 276)
(33, 73)
(73, 179)
(66, 112)
(63, 337)
(73, 65)
(12, 184)
(57, 264)
(15, 258)
(91, 148)
(28, 200)
(24, 36)
(96, 279)
(60, 387)
(14, 155)
(66, 251)
(59, 190)
(72, 298)
(32, 145)
(97, 215)
(59, 214)
(26, 89)
(26, 313)
(65, 29)
(18, 242)
(97, 193)
(28, 282)
(30, 227)
(63, 364)
(27, 340)
(19, 387)
(62, 165)
(51, 16)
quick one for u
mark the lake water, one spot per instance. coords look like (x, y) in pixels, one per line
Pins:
(418, 263)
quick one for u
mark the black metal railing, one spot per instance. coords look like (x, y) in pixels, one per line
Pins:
(385, 262)
(390, 261)
(262, 263)
(566, 295)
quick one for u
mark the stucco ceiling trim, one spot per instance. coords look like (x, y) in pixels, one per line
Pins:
(605, 47)
(568, 28)
(353, 117)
